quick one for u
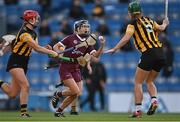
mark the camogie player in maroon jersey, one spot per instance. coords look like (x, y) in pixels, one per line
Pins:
(70, 71)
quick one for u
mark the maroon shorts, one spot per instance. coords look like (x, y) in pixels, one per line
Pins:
(67, 71)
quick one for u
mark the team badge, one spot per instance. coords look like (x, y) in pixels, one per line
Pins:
(75, 42)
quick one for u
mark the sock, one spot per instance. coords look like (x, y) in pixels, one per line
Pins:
(153, 99)
(59, 110)
(73, 108)
(59, 94)
(24, 109)
(138, 106)
(1, 83)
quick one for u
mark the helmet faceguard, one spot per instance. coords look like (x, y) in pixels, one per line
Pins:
(82, 28)
(30, 15)
(134, 7)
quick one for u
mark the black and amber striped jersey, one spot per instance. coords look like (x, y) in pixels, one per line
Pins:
(143, 30)
(20, 45)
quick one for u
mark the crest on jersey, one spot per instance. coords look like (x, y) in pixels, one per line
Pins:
(75, 41)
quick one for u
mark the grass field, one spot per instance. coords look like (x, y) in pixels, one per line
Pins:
(88, 117)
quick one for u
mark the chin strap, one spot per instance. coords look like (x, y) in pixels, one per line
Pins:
(34, 26)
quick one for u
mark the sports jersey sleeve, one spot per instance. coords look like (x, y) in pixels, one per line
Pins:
(25, 37)
(65, 41)
(130, 29)
(155, 25)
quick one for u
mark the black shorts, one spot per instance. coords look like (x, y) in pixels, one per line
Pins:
(152, 59)
(17, 61)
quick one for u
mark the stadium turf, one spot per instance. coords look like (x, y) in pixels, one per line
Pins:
(88, 117)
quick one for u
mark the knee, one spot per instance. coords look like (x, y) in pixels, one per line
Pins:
(77, 93)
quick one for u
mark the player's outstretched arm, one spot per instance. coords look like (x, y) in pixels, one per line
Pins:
(121, 43)
(36, 47)
(129, 33)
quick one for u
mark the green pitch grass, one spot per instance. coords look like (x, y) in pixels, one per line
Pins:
(88, 117)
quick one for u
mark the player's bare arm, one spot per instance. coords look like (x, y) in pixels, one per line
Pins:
(123, 41)
(37, 47)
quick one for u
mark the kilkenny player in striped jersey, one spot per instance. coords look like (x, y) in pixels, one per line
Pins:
(25, 41)
(143, 29)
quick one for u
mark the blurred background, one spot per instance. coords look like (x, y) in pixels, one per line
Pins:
(108, 18)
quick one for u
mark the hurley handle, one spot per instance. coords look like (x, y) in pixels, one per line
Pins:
(166, 8)
(62, 58)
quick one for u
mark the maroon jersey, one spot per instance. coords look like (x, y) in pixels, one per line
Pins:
(71, 41)
(71, 70)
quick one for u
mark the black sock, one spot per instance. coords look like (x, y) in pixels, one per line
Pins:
(24, 109)
(59, 110)
(153, 97)
(1, 83)
(138, 104)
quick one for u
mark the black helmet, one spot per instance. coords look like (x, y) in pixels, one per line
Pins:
(79, 23)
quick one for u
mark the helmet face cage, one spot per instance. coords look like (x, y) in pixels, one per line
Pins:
(81, 24)
(38, 20)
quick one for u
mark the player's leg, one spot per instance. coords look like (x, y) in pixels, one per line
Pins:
(74, 107)
(70, 94)
(157, 66)
(12, 90)
(72, 90)
(152, 91)
(140, 76)
(19, 75)
(74, 104)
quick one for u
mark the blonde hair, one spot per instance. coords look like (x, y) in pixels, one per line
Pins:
(135, 15)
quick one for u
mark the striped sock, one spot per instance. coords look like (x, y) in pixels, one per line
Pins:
(24, 109)
(73, 108)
